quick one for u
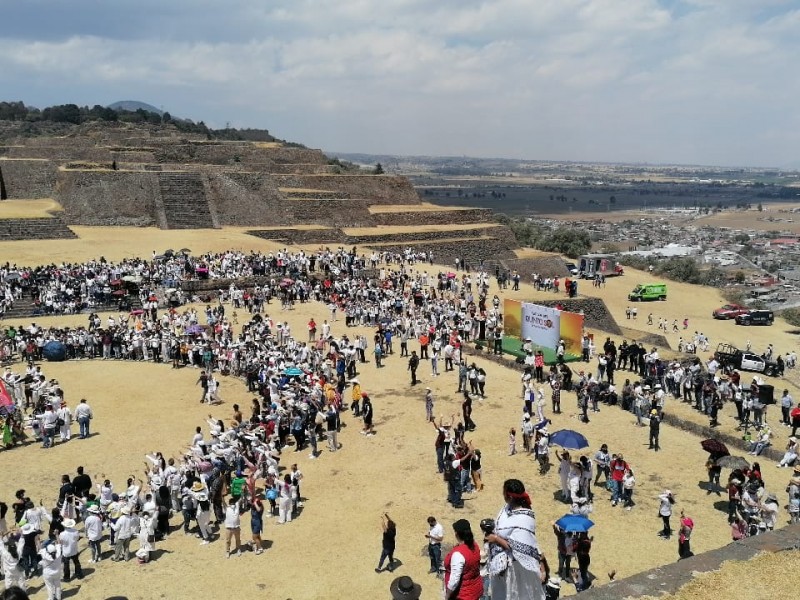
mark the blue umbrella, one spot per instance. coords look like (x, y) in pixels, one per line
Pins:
(54, 351)
(566, 438)
(574, 523)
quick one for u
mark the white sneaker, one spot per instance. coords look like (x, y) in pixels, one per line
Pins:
(204, 543)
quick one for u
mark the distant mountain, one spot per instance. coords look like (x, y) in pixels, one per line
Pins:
(134, 105)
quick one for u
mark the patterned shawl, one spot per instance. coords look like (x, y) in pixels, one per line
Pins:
(518, 527)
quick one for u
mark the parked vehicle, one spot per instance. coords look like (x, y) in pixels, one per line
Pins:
(730, 311)
(756, 317)
(648, 291)
(591, 265)
(572, 268)
(730, 357)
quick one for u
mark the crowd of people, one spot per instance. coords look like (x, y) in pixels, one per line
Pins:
(300, 387)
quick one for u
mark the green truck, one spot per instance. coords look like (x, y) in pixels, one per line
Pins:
(648, 291)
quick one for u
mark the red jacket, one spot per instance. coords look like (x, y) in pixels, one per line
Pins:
(471, 585)
(618, 468)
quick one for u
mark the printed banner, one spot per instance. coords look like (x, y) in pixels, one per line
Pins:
(545, 326)
(512, 318)
(572, 331)
(541, 324)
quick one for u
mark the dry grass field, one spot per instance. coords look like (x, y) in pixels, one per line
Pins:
(753, 219)
(765, 577)
(330, 551)
(29, 209)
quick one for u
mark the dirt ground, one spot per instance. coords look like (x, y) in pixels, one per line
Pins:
(332, 548)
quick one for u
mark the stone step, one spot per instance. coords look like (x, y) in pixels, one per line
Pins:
(35, 229)
(184, 199)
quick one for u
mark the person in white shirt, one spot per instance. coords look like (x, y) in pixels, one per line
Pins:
(146, 536)
(83, 414)
(35, 515)
(94, 531)
(233, 527)
(123, 529)
(435, 536)
(51, 570)
(286, 494)
(65, 414)
(48, 421)
(9, 559)
(69, 549)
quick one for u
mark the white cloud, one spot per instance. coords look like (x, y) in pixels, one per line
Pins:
(693, 81)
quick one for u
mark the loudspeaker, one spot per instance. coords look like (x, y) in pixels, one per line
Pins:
(766, 394)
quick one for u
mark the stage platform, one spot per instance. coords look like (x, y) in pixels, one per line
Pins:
(513, 346)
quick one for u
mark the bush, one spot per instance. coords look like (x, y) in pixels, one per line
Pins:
(792, 316)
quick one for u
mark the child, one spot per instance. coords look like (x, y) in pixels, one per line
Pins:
(794, 507)
(628, 483)
(512, 442)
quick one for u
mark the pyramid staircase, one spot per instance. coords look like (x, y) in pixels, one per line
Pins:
(185, 203)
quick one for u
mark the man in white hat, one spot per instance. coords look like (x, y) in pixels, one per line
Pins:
(69, 548)
(429, 405)
(94, 531)
(123, 529)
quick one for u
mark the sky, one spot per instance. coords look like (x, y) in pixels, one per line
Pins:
(714, 82)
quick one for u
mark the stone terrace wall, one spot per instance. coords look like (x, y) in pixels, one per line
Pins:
(596, 313)
(109, 197)
(379, 189)
(301, 237)
(546, 266)
(324, 236)
(292, 168)
(288, 155)
(231, 153)
(247, 199)
(434, 217)
(333, 212)
(422, 236)
(132, 155)
(29, 178)
(59, 153)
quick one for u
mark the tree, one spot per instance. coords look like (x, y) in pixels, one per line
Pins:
(739, 277)
(680, 269)
(566, 240)
(166, 117)
(378, 169)
(3, 193)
